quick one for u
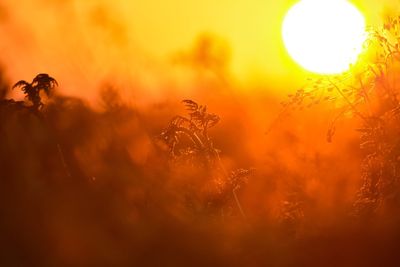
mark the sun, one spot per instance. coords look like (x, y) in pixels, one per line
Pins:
(324, 36)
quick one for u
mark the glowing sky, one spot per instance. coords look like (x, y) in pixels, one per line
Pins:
(86, 41)
(253, 28)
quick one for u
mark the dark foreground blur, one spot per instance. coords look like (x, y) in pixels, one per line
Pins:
(83, 187)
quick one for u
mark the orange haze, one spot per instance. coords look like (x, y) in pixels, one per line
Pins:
(88, 184)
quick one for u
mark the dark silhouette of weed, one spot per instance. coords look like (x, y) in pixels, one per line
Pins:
(42, 82)
(195, 128)
(188, 141)
(47, 84)
(369, 91)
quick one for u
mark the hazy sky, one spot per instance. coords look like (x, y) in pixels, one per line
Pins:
(86, 42)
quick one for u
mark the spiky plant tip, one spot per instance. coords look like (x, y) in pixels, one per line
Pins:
(32, 90)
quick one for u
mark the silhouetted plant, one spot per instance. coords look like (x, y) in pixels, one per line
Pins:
(188, 140)
(195, 128)
(370, 91)
(42, 82)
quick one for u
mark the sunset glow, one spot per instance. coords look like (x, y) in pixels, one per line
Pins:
(206, 133)
(324, 36)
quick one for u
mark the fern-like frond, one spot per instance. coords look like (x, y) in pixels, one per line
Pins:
(44, 82)
(32, 90)
(212, 120)
(21, 84)
(190, 105)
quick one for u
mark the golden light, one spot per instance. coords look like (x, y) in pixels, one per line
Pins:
(324, 36)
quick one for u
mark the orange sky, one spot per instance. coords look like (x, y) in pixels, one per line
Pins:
(253, 28)
(84, 43)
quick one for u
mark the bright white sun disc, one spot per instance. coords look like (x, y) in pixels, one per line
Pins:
(324, 36)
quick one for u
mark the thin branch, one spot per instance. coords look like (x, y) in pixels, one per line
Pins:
(348, 101)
